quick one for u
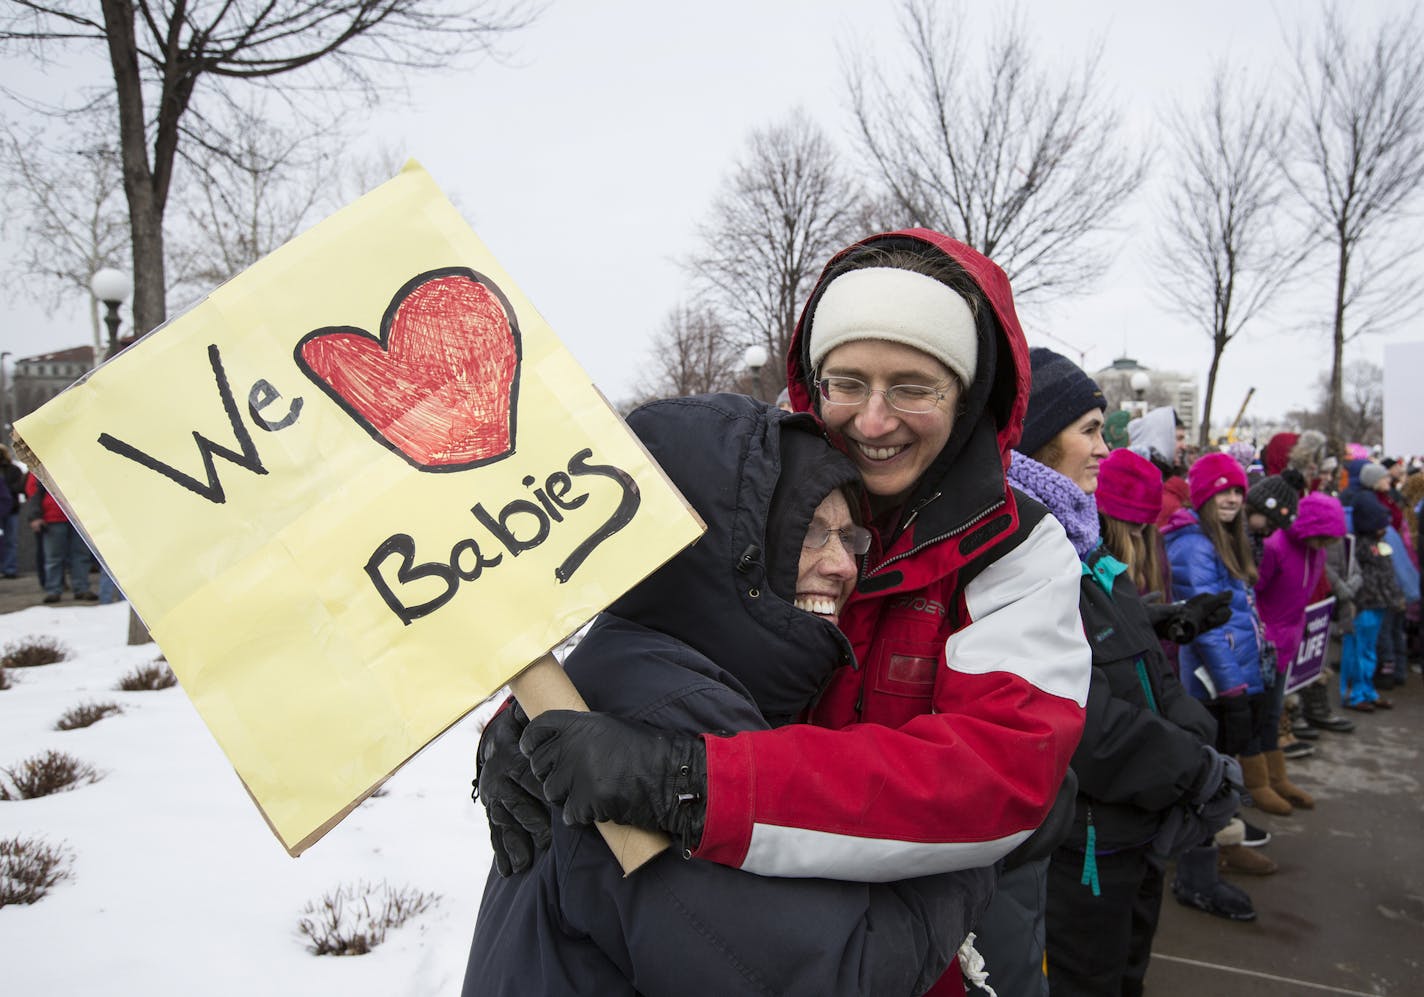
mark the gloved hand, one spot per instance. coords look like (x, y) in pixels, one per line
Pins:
(513, 799)
(1233, 723)
(1207, 807)
(601, 767)
(1188, 620)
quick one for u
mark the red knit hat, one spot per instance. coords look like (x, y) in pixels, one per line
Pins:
(1129, 488)
(1212, 473)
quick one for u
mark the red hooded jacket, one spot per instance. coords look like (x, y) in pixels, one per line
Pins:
(953, 727)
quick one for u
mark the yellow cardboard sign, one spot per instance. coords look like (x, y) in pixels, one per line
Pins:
(352, 493)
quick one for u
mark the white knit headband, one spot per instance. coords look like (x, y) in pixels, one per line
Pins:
(899, 306)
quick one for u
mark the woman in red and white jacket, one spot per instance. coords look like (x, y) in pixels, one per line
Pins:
(942, 743)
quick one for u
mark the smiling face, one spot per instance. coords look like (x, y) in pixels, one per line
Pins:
(1228, 504)
(1078, 449)
(827, 574)
(891, 448)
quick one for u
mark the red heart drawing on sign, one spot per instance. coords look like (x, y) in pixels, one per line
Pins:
(439, 385)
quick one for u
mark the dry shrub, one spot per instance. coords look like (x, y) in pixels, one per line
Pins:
(31, 652)
(46, 774)
(28, 868)
(4, 679)
(147, 678)
(352, 920)
(86, 714)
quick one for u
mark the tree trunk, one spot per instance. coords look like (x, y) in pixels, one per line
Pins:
(145, 210)
(145, 207)
(1204, 437)
(1334, 406)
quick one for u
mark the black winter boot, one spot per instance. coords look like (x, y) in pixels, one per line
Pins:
(1315, 703)
(1199, 885)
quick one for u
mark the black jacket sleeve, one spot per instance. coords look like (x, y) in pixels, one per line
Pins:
(1131, 755)
(1182, 708)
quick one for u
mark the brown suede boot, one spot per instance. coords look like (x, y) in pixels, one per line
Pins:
(1258, 784)
(1239, 858)
(1280, 782)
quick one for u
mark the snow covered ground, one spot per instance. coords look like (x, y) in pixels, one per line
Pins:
(177, 885)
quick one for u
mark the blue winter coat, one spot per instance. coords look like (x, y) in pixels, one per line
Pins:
(1231, 654)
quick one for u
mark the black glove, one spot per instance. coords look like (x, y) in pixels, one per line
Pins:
(1188, 620)
(514, 801)
(600, 767)
(1233, 723)
(1208, 806)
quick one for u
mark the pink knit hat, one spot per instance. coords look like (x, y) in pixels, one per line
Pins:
(1212, 473)
(1129, 488)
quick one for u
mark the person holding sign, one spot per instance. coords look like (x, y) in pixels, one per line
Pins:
(1292, 564)
(964, 698)
(736, 633)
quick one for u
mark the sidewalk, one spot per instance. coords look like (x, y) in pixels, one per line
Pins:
(25, 591)
(1345, 912)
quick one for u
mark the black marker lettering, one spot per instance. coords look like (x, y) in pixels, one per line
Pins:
(467, 562)
(408, 572)
(481, 562)
(622, 516)
(554, 513)
(501, 528)
(212, 489)
(558, 485)
(262, 395)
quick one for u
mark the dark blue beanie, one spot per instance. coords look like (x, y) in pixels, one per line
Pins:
(1061, 394)
(1369, 515)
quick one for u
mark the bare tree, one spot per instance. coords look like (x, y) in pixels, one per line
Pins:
(692, 354)
(976, 142)
(1358, 165)
(164, 53)
(248, 196)
(1361, 404)
(784, 209)
(64, 205)
(1222, 253)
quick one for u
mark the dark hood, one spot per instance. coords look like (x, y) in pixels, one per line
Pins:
(993, 406)
(743, 465)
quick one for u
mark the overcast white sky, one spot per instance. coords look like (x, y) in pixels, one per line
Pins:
(587, 160)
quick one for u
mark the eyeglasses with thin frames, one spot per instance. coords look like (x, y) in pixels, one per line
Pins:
(855, 539)
(912, 399)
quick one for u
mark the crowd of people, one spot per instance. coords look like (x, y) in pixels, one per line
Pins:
(955, 629)
(63, 560)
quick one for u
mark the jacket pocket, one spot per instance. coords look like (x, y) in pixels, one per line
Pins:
(901, 682)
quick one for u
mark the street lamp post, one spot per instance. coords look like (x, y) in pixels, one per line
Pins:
(112, 287)
(1140, 383)
(755, 357)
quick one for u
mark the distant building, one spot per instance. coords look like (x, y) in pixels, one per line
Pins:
(1164, 387)
(38, 379)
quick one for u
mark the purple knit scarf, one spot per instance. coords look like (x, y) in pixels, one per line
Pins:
(1069, 504)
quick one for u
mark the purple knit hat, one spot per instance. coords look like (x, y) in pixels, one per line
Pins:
(1212, 473)
(1129, 488)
